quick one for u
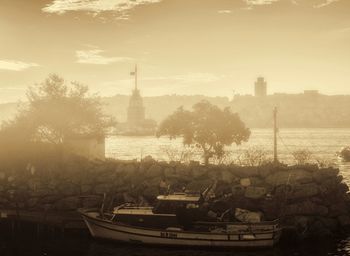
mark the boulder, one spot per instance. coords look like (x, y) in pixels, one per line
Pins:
(32, 202)
(92, 201)
(297, 176)
(329, 223)
(151, 193)
(212, 215)
(105, 178)
(255, 192)
(245, 182)
(271, 209)
(319, 230)
(11, 179)
(68, 189)
(42, 192)
(338, 209)
(223, 188)
(199, 185)
(183, 170)
(68, 204)
(306, 208)
(329, 186)
(324, 174)
(304, 190)
(153, 182)
(148, 160)
(198, 171)
(100, 189)
(256, 181)
(129, 168)
(170, 172)
(301, 222)
(238, 190)
(245, 172)
(3, 200)
(50, 199)
(127, 198)
(2, 176)
(344, 220)
(86, 188)
(154, 171)
(264, 172)
(248, 216)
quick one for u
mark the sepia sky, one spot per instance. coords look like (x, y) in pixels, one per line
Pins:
(211, 47)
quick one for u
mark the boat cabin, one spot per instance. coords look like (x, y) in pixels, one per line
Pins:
(170, 204)
(175, 210)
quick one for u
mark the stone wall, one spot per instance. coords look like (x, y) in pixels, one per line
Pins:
(312, 200)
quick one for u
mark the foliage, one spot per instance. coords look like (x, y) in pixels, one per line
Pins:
(207, 127)
(57, 110)
(185, 154)
(253, 156)
(302, 156)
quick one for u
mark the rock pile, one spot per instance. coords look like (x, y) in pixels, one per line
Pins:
(312, 200)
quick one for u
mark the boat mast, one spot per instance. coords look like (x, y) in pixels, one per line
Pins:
(275, 131)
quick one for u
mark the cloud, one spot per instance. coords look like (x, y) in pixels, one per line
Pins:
(260, 2)
(14, 65)
(224, 11)
(325, 3)
(94, 57)
(95, 6)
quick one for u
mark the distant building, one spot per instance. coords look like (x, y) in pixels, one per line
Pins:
(260, 87)
(311, 92)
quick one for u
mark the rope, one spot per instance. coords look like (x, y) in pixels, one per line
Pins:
(287, 148)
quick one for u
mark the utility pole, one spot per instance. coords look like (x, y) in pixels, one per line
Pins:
(135, 77)
(275, 131)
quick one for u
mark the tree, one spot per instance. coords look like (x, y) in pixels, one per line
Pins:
(207, 127)
(56, 110)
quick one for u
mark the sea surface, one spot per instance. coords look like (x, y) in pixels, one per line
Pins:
(322, 145)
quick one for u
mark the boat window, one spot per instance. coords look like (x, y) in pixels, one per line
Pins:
(167, 207)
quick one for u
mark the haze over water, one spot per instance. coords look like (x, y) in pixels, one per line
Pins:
(322, 143)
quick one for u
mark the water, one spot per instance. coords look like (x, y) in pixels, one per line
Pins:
(322, 143)
(89, 247)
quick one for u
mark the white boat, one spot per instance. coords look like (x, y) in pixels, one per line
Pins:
(173, 223)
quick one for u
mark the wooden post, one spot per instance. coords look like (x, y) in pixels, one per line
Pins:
(275, 131)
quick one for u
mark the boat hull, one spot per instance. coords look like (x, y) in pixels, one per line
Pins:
(100, 228)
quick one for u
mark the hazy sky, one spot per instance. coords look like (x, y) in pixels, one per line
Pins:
(207, 47)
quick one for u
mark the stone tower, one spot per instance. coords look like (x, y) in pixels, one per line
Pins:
(136, 110)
